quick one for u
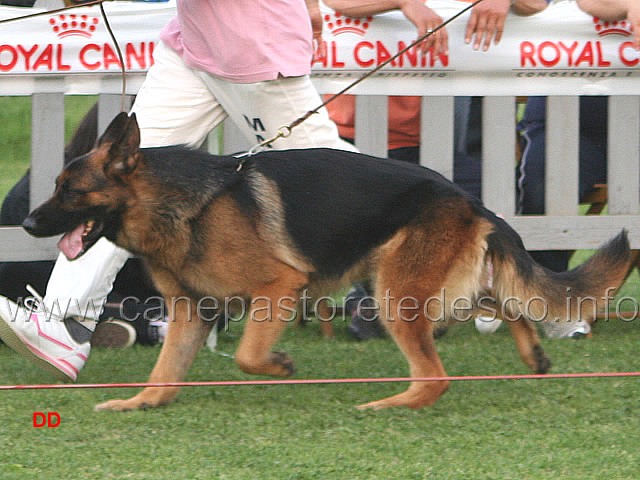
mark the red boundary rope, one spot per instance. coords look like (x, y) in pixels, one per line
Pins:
(320, 381)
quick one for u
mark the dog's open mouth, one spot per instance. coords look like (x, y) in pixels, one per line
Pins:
(73, 244)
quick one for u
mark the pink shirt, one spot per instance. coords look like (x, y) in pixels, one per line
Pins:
(242, 40)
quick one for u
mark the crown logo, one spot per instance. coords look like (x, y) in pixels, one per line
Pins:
(68, 25)
(338, 24)
(604, 28)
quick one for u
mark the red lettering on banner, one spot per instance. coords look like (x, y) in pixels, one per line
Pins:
(551, 54)
(569, 50)
(444, 59)
(45, 59)
(83, 53)
(356, 54)
(61, 66)
(139, 57)
(555, 52)
(586, 55)
(110, 57)
(601, 61)
(411, 54)
(5, 67)
(623, 55)
(27, 55)
(335, 63)
(527, 52)
(382, 53)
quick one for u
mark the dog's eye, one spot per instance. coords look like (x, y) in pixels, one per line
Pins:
(71, 193)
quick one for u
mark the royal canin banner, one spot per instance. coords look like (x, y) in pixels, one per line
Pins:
(560, 51)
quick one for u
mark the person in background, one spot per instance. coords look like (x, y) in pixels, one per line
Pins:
(246, 60)
(615, 10)
(484, 27)
(592, 151)
(119, 326)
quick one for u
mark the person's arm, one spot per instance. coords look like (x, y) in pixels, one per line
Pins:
(528, 7)
(319, 47)
(486, 22)
(416, 11)
(614, 10)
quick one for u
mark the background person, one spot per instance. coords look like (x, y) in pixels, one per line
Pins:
(246, 60)
(484, 27)
(592, 151)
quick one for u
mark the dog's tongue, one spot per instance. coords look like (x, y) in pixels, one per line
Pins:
(71, 244)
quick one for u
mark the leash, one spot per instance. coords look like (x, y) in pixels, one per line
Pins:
(285, 130)
(123, 71)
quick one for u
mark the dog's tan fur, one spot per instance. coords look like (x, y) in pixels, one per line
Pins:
(199, 244)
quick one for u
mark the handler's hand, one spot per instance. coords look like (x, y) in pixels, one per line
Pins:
(486, 23)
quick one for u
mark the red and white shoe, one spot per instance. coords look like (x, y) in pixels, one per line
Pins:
(58, 346)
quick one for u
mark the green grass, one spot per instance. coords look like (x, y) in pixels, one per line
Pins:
(562, 429)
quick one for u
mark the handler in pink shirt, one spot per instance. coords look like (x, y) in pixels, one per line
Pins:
(246, 59)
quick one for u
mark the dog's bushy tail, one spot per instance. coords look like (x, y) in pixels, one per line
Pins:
(523, 287)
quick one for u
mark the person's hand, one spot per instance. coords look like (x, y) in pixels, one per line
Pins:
(319, 47)
(425, 20)
(633, 17)
(486, 23)
(615, 10)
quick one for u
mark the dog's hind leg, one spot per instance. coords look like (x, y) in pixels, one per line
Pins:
(185, 336)
(526, 337)
(273, 307)
(398, 290)
(421, 275)
(415, 339)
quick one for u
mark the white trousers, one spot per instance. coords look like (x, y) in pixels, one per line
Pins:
(180, 105)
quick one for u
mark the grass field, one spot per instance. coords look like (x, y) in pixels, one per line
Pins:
(527, 429)
(562, 429)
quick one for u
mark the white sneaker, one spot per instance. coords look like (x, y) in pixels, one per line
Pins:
(566, 329)
(486, 324)
(43, 338)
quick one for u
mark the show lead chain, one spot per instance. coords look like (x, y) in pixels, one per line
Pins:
(285, 130)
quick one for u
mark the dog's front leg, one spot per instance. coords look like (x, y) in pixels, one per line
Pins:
(185, 335)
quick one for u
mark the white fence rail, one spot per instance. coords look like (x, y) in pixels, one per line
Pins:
(538, 55)
(560, 228)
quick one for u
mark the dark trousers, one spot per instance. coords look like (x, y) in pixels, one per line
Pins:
(531, 173)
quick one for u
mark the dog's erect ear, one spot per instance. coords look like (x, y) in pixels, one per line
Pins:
(123, 135)
(120, 130)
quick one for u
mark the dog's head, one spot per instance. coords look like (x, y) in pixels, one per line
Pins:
(91, 192)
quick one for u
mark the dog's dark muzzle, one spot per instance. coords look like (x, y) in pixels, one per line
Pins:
(30, 225)
(40, 229)
(46, 221)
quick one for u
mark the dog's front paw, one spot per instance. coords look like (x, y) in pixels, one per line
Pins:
(118, 405)
(284, 362)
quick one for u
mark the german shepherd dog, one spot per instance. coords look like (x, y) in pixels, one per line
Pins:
(315, 219)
